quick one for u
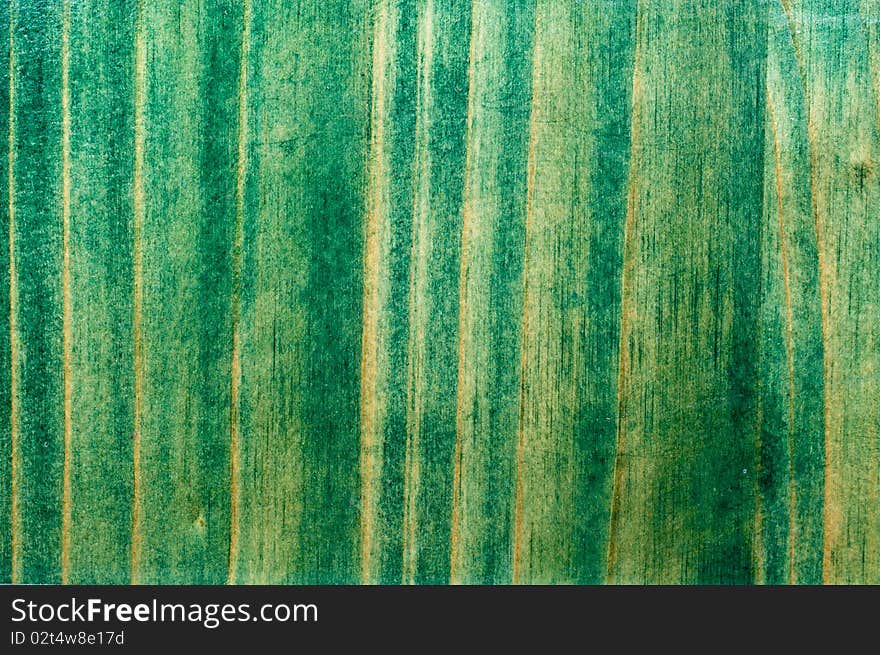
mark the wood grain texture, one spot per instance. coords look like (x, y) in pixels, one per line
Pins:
(99, 287)
(791, 399)
(300, 291)
(5, 315)
(833, 42)
(491, 293)
(413, 234)
(440, 291)
(684, 496)
(184, 217)
(578, 167)
(36, 256)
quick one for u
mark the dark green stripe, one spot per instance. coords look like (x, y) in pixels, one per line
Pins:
(5, 379)
(434, 281)
(685, 483)
(38, 336)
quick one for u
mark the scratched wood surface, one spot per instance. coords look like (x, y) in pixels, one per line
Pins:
(432, 291)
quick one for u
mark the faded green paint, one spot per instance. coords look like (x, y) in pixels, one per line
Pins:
(439, 291)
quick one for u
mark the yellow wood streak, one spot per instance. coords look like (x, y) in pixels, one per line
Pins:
(65, 219)
(455, 527)
(370, 455)
(235, 382)
(530, 200)
(139, 208)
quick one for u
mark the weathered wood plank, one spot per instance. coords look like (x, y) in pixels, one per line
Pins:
(578, 162)
(425, 291)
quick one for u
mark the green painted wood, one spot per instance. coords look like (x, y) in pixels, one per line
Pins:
(36, 301)
(685, 474)
(5, 352)
(423, 291)
(579, 163)
(490, 323)
(388, 238)
(439, 172)
(789, 532)
(834, 44)
(99, 141)
(413, 241)
(304, 170)
(185, 162)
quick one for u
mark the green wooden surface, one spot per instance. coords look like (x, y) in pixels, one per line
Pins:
(430, 291)
(99, 126)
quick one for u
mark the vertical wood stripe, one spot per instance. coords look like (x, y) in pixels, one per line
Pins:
(423, 291)
(491, 292)
(36, 298)
(685, 475)
(6, 439)
(99, 305)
